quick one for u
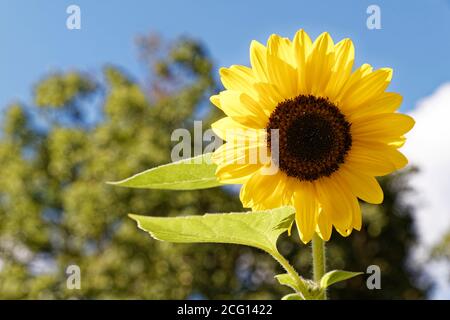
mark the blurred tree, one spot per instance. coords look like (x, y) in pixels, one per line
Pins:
(440, 253)
(56, 210)
(442, 249)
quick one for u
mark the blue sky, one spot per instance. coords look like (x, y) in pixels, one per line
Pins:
(414, 39)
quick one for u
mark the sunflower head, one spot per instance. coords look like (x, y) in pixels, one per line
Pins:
(302, 128)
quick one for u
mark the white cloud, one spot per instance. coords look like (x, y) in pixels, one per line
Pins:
(428, 147)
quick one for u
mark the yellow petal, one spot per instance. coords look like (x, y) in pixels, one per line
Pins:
(356, 218)
(363, 186)
(375, 161)
(339, 203)
(306, 211)
(324, 226)
(355, 77)
(344, 58)
(280, 73)
(244, 149)
(236, 173)
(319, 65)
(387, 102)
(242, 109)
(256, 189)
(258, 60)
(226, 124)
(302, 46)
(366, 89)
(381, 127)
(215, 100)
(268, 96)
(281, 195)
(398, 143)
(238, 78)
(289, 184)
(336, 200)
(282, 48)
(244, 196)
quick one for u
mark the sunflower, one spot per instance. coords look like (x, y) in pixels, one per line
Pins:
(336, 130)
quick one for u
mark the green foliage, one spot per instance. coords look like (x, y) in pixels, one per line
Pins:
(292, 296)
(441, 252)
(59, 90)
(259, 229)
(335, 276)
(56, 210)
(286, 280)
(188, 174)
(442, 249)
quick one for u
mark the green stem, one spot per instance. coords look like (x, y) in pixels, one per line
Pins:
(318, 255)
(292, 272)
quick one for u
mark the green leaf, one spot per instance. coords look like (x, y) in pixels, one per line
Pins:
(336, 276)
(307, 289)
(188, 174)
(286, 279)
(259, 229)
(292, 296)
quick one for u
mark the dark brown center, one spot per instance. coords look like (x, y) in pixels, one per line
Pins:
(314, 137)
